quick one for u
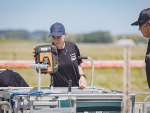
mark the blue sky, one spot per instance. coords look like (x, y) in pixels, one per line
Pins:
(78, 16)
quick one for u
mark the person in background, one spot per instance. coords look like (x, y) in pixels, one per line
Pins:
(69, 65)
(144, 26)
(13, 79)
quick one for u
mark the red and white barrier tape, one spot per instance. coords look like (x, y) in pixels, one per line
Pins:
(85, 64)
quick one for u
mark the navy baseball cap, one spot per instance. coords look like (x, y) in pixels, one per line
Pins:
(143, 17)
(57, 29)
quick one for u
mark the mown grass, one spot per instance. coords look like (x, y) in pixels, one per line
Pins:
(103, 78)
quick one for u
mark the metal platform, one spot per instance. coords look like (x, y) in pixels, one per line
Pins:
(60, 100)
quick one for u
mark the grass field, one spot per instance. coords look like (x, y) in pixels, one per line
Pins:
(103, 78)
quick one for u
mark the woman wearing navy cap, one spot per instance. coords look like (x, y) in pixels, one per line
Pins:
(69, 65)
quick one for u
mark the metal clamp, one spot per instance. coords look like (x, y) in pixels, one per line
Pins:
(39, 67)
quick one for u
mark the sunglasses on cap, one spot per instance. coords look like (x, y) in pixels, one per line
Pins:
(140, 24)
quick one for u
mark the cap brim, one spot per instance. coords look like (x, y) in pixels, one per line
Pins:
(56, 34)
(136, 23)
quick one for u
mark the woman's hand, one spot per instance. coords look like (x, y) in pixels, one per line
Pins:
(82, 82)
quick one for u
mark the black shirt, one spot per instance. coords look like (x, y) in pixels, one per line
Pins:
(68, 66)
(147, 61)
(148, 48)
(11, 78)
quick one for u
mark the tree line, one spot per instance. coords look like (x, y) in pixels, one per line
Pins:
(94, 37)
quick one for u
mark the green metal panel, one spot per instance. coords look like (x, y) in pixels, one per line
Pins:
(65, 103)
(148, 110)
(95, 107)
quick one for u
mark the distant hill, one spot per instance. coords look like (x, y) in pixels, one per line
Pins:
(3, 33)
(94, 37)
(39, 35)
(23, 34)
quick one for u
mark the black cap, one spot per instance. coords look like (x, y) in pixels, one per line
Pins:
(143, 17)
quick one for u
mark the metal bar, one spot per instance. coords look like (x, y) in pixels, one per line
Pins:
(0, 105)
(133, 104)
(73, 105)
(31, 106)
(41, 66)
(6, 103)
(19, 107)
(92, 73)
(5, 109)
(49, 110)
(16, 106)
(147, 93)
(144, 103)
(39, 81)
(25, 102)
(45, 104)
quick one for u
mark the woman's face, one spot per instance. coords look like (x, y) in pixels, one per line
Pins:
(59, 41)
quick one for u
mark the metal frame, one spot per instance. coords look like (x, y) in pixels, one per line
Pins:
(144, 104)
(7, 104)
(76, 95)
(59, 93)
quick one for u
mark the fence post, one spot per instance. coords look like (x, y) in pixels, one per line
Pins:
(126, 80)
